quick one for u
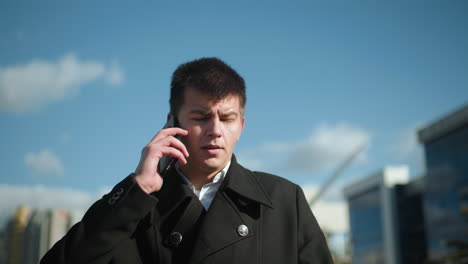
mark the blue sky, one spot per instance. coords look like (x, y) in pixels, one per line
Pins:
(84, 84)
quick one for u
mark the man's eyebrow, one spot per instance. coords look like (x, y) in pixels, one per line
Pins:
(207, 112)
(200, 112)
(229, 113)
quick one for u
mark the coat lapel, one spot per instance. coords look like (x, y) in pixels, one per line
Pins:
(146, 239)
(230, 209)
(174, 195)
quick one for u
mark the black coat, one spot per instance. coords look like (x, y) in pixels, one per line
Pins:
(129, 226)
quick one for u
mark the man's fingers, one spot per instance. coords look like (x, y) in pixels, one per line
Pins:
(166, 132)
(169, 141)
(166, 147)
(173, 152)
(176, 143)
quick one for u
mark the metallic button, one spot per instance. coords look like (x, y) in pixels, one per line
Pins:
(243, 230)
(175, 238)
(115, 196)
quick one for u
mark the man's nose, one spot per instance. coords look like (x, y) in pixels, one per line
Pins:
(214, 127)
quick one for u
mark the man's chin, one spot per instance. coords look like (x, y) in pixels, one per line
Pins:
(214, 164)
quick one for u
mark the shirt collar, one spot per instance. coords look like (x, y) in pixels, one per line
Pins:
(218, 178)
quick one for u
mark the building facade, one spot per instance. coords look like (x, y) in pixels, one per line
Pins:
(15, 235)
(446, 185)
(373, 219)
(423, 221)
(411, 244)
(30, 233)
(36, 241)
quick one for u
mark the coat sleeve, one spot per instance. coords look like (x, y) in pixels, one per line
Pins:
(109, 221)
(312, 245)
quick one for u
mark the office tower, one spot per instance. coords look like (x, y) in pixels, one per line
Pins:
(59, 222)
(411, 234)
(372, 204)
(15, 233)
(36, 236)
(446, 185)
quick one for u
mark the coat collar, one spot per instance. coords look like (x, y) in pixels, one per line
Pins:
(174, 193)
(238, 179)
(245, 183)
(227, 213)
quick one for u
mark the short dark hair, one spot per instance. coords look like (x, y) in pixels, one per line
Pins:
(211, 77)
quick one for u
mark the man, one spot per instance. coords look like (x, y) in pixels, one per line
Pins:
(205, 209)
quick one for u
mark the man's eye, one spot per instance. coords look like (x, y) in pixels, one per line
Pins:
(199, 118)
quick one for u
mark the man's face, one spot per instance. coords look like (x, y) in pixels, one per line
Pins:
(213, 126)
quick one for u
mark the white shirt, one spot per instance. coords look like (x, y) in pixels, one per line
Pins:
(208, 191)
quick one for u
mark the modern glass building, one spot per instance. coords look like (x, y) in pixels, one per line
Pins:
(372, 204)
(411, 245)
(423, 221)
(446, 184)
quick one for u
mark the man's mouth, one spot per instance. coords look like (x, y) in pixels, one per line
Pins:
(211, 147)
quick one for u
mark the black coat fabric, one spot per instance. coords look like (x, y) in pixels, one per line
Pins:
(129, 226)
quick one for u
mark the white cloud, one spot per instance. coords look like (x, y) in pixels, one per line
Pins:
(29, 87)
(42, 197)
(115, 74)
(332, 215)
(327, 146)
(45, 163)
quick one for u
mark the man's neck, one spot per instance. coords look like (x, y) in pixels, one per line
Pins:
(199, 177)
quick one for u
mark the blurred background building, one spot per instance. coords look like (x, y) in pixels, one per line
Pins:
(31, 232)
(446, 184)
(372, 210)
(16, 233)
(425, 220)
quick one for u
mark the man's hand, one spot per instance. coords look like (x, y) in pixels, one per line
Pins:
(164, 143)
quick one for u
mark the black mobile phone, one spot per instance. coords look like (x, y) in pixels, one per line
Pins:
(167, 162)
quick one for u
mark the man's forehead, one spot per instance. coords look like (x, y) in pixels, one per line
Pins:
(199, 101)
(208, 107)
